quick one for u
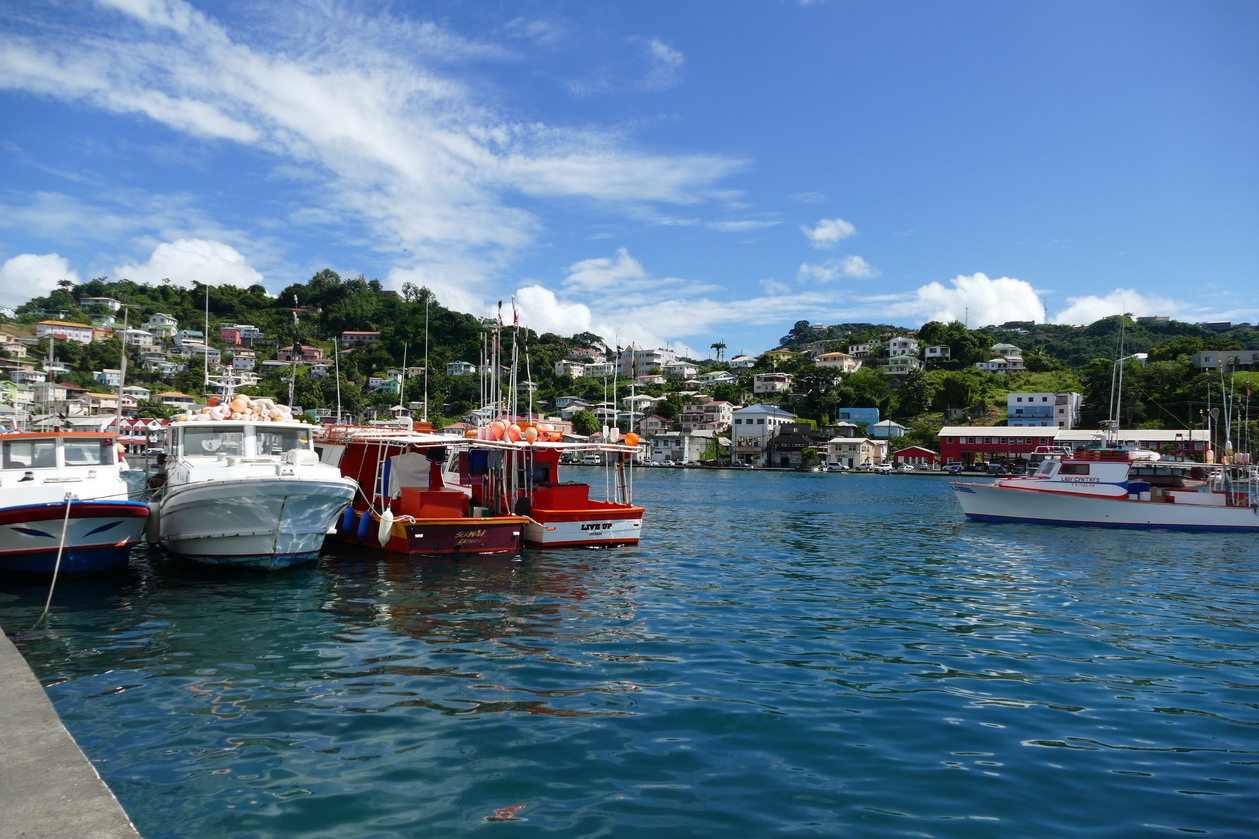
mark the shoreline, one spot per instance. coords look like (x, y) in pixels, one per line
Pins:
(48, 787)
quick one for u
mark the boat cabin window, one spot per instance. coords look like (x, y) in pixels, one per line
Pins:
(1074, 469)
(89, 452)
(281, 440)
(30, 454)
(213, 441)
(1047, 468)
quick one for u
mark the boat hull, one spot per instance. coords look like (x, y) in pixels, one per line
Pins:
(98, 535)
(480, 536)
(602, 525)
(995, 503)
(266, 523)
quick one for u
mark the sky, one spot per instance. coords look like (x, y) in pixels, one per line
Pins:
(660, 173)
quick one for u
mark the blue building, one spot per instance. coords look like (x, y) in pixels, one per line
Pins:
(869, 416)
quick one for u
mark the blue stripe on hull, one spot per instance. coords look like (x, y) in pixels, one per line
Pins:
(1114, 525)
(73, 560)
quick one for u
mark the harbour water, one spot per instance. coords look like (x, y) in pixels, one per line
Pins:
(785, 655)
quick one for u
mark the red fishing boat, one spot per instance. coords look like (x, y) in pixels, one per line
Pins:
(418, 496)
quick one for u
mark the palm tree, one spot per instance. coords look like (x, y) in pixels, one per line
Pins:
(720, 348)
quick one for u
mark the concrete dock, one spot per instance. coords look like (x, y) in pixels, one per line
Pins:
(48, 789)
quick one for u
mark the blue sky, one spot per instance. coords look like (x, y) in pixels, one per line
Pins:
(663, 173)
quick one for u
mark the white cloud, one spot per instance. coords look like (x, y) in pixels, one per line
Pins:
(1084, 310)
(774, 287)
(603, 274)
(184, 261)
(456, 286)
(977, 300)
(829, 232)
(30, 275)
(849, 267)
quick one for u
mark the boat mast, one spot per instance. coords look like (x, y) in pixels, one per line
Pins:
(122, 371)
(427, 298)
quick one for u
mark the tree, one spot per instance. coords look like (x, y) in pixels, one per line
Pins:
(916, 393)
(585, 423)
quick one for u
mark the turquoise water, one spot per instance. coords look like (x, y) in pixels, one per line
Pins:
(784, 655)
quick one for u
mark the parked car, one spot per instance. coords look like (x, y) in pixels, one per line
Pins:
(883, 468)
(903, 467)
(953, 468)
(836, 467)
(996, 469)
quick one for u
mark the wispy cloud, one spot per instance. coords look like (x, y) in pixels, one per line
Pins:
(848, 267)
(377, 134)
(664, 66)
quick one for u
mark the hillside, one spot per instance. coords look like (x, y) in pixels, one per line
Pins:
(1166, 391)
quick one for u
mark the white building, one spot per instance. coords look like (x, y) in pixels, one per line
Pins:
(460, 368)
(903, 346)
(162, 326)
(680, 446)
(137, 338)
(841, 361)
(771, 383)
(632, 362)
(753, 427)
(684, 369)
(1002, 364)
(108, 377)
(64, 330)
(1057, 410)
(902, 365)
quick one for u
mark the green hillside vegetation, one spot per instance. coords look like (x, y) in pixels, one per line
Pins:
(1166, 392)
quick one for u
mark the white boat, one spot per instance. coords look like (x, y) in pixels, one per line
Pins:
(246, 492)
(64, 504)
(1119, 488)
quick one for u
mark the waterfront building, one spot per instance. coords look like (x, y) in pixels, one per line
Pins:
(918, 457)
(855, 451)
(752, 428)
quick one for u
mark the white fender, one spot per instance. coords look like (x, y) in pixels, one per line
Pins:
(386, 526)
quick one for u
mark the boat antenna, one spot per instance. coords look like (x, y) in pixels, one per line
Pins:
(427, 297)
(336, 362)
(122, 370)
(205, 355)
(294, 352)
(402, 384)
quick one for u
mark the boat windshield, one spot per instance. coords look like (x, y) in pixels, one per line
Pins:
(30, 454)
(213, 441)
(281, 440)
(89, 452)
(1048, 467)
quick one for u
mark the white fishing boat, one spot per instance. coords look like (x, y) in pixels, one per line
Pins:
(246, 488)
(1108, 487)
(64, 504)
